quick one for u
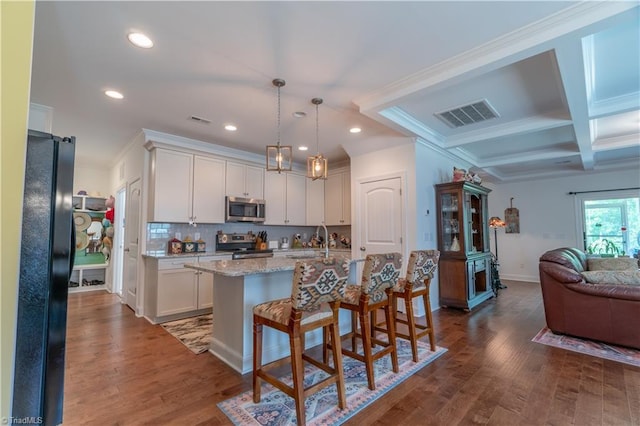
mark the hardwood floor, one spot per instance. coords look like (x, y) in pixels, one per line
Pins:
(121, 370)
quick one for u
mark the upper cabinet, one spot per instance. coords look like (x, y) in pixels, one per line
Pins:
(186, 188)
(244, 181)
(315, 202)
(285, 194)
(337, 199)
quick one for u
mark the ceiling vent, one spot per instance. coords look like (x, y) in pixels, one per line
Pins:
(200, 119)
(468, 114)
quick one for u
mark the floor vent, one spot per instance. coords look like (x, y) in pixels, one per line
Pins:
(468, 114)
(200, 119)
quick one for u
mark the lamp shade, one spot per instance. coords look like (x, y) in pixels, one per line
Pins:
(279, 158)
(317, 167)
(496, 222)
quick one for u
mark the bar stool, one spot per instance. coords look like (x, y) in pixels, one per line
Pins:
(379, 276)
(420, 269)
(318, 287)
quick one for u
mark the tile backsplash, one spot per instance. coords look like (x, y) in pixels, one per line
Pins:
(159, 234)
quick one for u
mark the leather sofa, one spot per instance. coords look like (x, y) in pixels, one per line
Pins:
(607, 312)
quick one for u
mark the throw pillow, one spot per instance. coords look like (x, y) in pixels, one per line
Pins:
(612, 264)
(612, 277)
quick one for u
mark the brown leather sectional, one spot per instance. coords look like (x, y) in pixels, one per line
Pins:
(606, 312)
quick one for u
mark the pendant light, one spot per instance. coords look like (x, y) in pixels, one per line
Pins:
(317, 166)
(279, 157)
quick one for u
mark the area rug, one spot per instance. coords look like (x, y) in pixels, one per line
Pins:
(588, 347)
(276, 408)
(194, 332)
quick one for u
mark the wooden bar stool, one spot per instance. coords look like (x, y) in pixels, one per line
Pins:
(420, 269)
(379, 276)
(318, 287)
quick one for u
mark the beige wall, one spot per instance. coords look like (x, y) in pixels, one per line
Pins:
(16, 38)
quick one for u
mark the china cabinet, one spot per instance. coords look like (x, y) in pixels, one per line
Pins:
(463, 241)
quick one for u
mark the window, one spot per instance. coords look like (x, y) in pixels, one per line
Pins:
(610, 217)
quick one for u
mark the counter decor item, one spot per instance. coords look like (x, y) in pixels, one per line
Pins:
(175, 246)
(201, 246)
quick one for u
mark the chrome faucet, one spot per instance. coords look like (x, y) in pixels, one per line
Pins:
(326, 239)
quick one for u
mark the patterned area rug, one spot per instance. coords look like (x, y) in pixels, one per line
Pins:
(588, 347)
(194, 333)
(276, 408)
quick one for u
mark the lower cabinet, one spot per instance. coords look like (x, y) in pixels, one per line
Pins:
(465, 283)
(174, 292)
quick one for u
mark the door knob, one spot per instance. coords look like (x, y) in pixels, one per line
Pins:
(363, 248)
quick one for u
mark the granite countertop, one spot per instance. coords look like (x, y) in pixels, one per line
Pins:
(162, 254)
(241, 267)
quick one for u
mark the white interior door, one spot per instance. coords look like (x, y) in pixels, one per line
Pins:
(381, 216)
(118, 241)
(131, 245)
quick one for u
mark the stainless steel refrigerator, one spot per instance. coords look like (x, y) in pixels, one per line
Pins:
(46, 261)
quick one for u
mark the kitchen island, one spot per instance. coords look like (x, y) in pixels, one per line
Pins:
(239, 285)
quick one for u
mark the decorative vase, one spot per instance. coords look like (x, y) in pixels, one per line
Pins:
(455, 245)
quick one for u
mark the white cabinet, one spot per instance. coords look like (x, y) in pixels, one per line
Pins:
(337, 199)
(173, 291)
(315, 202)
(186, 188)
(171, 193)
(208, 190)
(244, 181)
(285, 199)
(177, 292)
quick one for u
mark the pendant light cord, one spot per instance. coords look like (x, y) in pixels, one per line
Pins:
(317, 132)
(278, 118)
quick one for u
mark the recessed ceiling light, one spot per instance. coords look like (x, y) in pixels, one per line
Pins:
(299, 114)
(113, 94)
(140, 40)
(230, 127)
(302, 148)
(355, 130)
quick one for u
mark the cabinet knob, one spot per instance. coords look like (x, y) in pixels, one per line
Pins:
(363, 248)
(126, 250)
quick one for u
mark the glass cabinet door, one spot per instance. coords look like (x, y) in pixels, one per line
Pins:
(474, 231)
(451, 215)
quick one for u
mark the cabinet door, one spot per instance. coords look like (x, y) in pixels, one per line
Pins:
(205, 290)
(346, 199)
(208, 190)
(333, 200)
(235, 177)
(254, 182)
(172, 182)
(177, 291)
(275, 196)
(296, 199)
(315, 202)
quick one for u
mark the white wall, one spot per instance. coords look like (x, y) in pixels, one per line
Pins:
(96, 181)
(547, 217)
(423, 168)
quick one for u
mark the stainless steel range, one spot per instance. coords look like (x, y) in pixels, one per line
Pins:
(242, 246)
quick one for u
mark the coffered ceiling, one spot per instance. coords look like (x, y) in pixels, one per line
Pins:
(561, 78)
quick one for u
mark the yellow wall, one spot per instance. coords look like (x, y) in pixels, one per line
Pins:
(16, 41)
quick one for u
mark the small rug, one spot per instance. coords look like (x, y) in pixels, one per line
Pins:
(276, 408)
(194, 332)
(588, 347)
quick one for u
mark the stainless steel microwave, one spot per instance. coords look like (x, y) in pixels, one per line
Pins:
(244, 209)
